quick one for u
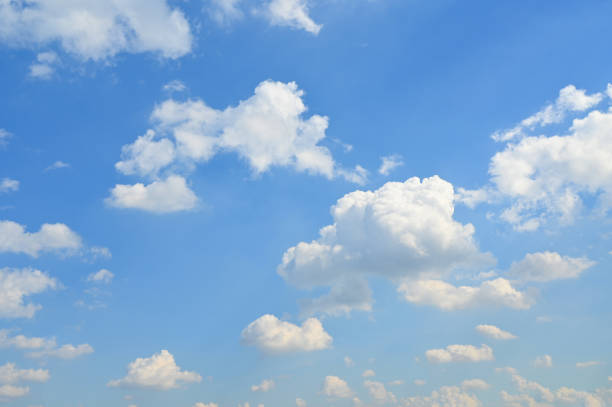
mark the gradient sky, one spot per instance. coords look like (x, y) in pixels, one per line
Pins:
(244, 203)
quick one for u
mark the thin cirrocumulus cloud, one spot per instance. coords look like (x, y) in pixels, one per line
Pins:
(56, 237)
(16, 285)
(494, 332)
(544, 178)
(96, 30)
(460, 353)
(175, 86)
(159, 372)
(273, 336)
(8, 185)
(444, 396)
(404, 232)
(335, 387)
(389, 163)
(290, 13)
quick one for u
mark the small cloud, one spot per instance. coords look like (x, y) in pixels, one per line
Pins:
(4, 136)
(396, 382)
(589, 363)
(44, 67)
(57, 165)
(8, 185)
(102, 276)
(100, 252)
(175, 86)
(264, 386)
(494, 332)
(543, 361)
(348, 362)
(543, 319)
(389, 163)
(420, 382)
(368, 373)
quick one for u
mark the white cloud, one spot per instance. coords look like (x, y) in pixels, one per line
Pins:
(389, 163)
(273, 336)
(101, 276)
(4, 136)
(164, 196)
(460, 353)
(447, 396)
(57, 165)
(590, 363)
(10, 374)
(291, 13)
(368, 373)
(548, 266)
(158, 372)
(205, 405)
(175, 86)
(348, 362)
(402, 231)
(67, 351)
(15, 284)
(23, 342)
(300, 402)
(146, 156)
(498, 292)
(44, 67)
(94, 30)
(335, 387)
(475, 384)
(494, 332)
(225, 11)
(8, 185)
(265, 386)
(543, 361)
(10, 391)
(55, 237)
(379, 393)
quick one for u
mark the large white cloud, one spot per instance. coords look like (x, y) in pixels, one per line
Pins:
(273, 336)
(447, 396)
(546, 177)
(55, 237)
(158, 372)
(15, 284)
(460, 353)
(335, 387)
(548, 266)
(96, 30)
(291, 13)
(169, 195)
(404, 232)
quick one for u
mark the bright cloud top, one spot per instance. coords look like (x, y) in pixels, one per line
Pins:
(265, 386)
(55, 237)
(96, 30)
(15, 285)
(291, 13)
(548, 266)
(404, 232)
(494, 332)
(157, 372)
(335, 387)
(460, 353)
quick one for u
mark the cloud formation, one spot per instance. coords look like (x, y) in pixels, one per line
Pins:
(494, 332)
(15, 285)
(446, 396)
(548, 266)
(460, 353)
(290, 13)
(55, 237)
(335, 387)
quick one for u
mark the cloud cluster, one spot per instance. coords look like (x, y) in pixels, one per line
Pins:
(10, 375)
(15, 285)
(55, 237)
(96, 30)
(460, 353)
(158, 372)
(447, 396)
(273, 336)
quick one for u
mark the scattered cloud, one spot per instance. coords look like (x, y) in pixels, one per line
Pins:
(42, 347)
(368, 373)
(379, 393)
(45, 64)
(389, 163)
(225, 11)
(15, 285)
(55, 237)
(419, 382)
(4, 137)
(475, 384)
(264, 386)
(10, 374)
(175, 86)
(494, 332)
(543, 361)
(590, 363)
(335, 387)
(300, 402)
(273, 336)
(348, 362)
(205, 405)
(447, 396)
(158, 372)
(8, 185)
(93, 30)
(548, 266)
(290, 13)
(103, 276)
(64, 352)
(57, 165)
(460, 353)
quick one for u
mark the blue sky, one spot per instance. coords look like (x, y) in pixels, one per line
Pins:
(213, 203)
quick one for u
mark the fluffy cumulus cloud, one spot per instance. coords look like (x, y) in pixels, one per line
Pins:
(545, 177)
(8, 184)
(10, 374)
(460, 353)
(273, 336)
(447, 396)
(378, 393)
(291, 13)
(96, 30)
(55, 237)
(335, 387)
(158, 372)
(265, 386)
(267, 130)
(548, 266)
(163, 196)
(15, 285)
(494, 332)
(404, 232)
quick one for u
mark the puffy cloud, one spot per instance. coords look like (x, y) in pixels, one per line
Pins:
(23, 342)
(291, 13)
(397, 382)
(404, 232)
(15, 284)
(475, 384)
(335, 387)
(389, 163)
(368, 373)
(447, 396)
(67, 351)
(264, 386)
(460, 353)
(543, 361)
(8, 185)
(42, 347)
(164, 196)
(146, 155)
(101, 276)
(157, 372)
(94, 30)
(494, 332)
(300, 402)
(55, 237)
(379, 393)
(10, 391)
(590, 363)
(498, 292)
(44, 67)
(10, 374)
(273, 336)
(548, 266)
